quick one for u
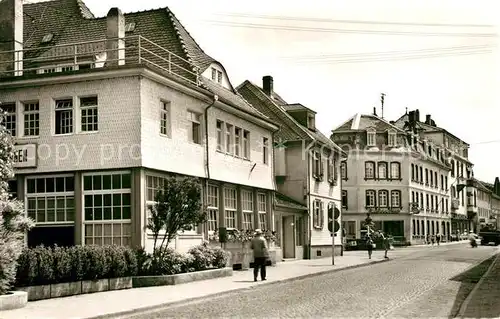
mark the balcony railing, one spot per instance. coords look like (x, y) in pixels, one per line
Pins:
(136, 50)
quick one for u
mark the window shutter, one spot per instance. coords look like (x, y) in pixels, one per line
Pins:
(314, 167)
(321, 168)
(335, 171)
(322, 215)
(315, 214)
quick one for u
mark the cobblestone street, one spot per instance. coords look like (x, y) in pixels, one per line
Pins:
(415, 285)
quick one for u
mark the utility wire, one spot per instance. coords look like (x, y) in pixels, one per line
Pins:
(310, 19)
(386, 53)
(348, 31)
(392, 59)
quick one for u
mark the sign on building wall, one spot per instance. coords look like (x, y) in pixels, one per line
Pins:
(25, 156)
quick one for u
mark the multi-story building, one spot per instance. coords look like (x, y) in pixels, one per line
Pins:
(104, 109)
(382, 177)
(483, 201)
(494, 190)
(458, 187)
(307, 170)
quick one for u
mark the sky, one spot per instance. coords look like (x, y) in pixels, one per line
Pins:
(337, 57)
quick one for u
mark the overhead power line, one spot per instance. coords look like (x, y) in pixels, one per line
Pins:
(392, 58)
(347, 31)
(392, 53)
(310, 19)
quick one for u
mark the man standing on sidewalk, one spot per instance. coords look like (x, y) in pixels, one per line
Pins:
(260, 255)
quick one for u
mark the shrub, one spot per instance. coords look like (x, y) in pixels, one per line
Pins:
(131, 261)
(203, 257)
(78, 257)
(27, 268)
(220, 257)
(63, 264)
(45, 265)
(117, 265)
(96, 266)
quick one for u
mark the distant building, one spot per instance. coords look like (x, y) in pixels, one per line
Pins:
(403, 174)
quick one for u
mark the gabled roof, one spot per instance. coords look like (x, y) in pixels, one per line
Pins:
(361, 122)
(70, 21)
(290, 130)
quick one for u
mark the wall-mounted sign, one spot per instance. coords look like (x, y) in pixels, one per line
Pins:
(25, 156)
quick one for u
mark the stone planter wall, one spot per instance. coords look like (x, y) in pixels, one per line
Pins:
(75, 288)
(149, 281)
(13, 300)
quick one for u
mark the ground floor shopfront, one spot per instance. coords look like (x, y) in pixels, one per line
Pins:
(111, 207)
(405, 228)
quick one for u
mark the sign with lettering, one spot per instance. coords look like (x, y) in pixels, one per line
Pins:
(25, 156)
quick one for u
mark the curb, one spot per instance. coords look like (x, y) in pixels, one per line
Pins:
(467, 300)
(154, 308)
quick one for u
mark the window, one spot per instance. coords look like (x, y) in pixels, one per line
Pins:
(164, 118)
(12, 188)
(230, 207)
(219, 77)
(421, 175)
(237, 141)
(427, 176)
(370, 198)
(195, 119)
(214, 74)
(382, 170)
(88, 106)
(452, 168)
(391, 138)
(318, 215)
(442, 181)
(432, 177)
(31, 119)
(213, 208)
(64, 116)
(317, 165)
(9, 119)
(395, 170)
(369, 170)
(436, 180)
(107, 208)
(220, 135)
(371, 138)
(262, 209)
(383, 198)
(331, 170)
(247, 208)
(343, 170)
(446, 205)
(265, 150)
(344, 199)
(427, 202)
(51, 200)
(246, 144)
(412, 172)
(395, 199)
(229, 138)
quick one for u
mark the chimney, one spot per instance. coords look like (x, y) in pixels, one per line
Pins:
(375, 111)
(11, 36)
(115, 33)
(497, 186)
(428, 119)
(417, 115)
(267, 84)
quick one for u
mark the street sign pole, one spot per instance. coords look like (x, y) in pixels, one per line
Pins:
(333, 247)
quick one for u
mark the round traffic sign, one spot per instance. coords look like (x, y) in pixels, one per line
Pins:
(336, 226)
(336, 213)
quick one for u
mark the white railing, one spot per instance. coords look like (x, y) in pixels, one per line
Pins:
(136, 50)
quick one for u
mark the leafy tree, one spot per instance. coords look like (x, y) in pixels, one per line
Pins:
(13, 220)
(177, 207)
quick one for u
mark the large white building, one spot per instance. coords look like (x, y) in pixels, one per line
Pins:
(103, 109)
(404, 174)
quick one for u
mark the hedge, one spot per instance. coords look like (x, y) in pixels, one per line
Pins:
(51, 265)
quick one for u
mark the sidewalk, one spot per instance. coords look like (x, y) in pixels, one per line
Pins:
(483, 301)
(125, 301)
(443, 244)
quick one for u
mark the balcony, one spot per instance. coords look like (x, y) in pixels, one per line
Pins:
(68, 58)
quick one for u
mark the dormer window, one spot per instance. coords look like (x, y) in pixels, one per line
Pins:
(371, 137)
(130, 27)
(216, 75)
(391, 138)
(47, 38)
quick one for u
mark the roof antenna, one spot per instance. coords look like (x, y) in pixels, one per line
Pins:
(382, 98)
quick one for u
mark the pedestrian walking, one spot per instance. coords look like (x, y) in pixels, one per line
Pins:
(369, 246)
(260, 255)
(386, 243)
(428, 239)
(438, 238)
(433, 240)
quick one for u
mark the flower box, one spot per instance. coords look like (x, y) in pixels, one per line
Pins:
(91, 286)
(65, 289)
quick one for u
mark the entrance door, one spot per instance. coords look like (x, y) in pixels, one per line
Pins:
(288, 244)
